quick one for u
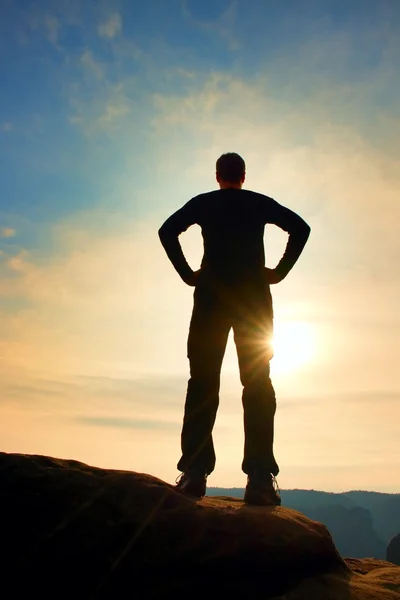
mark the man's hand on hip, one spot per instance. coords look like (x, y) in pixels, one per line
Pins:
(273, 276)
(193, 279)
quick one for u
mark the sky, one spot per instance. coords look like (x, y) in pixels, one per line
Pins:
(112, 115)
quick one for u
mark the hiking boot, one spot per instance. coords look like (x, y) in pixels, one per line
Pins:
(192, 484)
(262, 490)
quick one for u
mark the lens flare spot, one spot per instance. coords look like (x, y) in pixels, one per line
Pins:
(294, 345)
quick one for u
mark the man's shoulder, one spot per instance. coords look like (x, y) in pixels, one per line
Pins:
(243, 193)
(257, 195)
(205, 195)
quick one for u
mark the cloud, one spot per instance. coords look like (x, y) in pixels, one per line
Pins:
(101, 398)
(111, 27)
(53, 27)
(91, 66)
(60, 326)
(6, 126)
(221, 21)
(128, 423)
(45, 20)
(114, 111)
(105, 108)
(7, 232)
(19, 263)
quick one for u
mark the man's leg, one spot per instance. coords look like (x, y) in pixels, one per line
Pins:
(253, 329)
(208, 335)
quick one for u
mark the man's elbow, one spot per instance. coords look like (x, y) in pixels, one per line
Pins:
(163, 232)
(303, 229)
(166, 234)
(301, 232)
(305, 233)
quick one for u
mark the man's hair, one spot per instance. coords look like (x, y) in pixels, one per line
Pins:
(231, 167)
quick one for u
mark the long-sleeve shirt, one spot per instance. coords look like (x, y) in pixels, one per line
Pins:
(232, 222)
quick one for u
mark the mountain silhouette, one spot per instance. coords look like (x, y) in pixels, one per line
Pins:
(393, 550)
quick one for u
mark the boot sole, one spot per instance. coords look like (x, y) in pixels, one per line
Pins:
(190, 494)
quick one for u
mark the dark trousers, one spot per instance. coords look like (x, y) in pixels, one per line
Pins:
(218, 307)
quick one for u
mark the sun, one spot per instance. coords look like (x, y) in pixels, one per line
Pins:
(294, 345)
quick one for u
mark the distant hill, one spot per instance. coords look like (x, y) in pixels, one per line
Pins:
(361, 523)
(384, 508)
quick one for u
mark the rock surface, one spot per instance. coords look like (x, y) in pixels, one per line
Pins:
(69, 529)
(393, 550)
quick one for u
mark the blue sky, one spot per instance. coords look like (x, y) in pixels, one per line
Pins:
(112, 115)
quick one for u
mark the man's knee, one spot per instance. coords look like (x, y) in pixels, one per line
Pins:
(258, 387)
(256, 375)
(203, 381)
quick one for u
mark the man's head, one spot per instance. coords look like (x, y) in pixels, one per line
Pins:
(230, 170)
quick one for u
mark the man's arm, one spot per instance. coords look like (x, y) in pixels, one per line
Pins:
(298, 231)
(169, 233)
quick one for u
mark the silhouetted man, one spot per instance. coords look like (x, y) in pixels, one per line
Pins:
(232, 290)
